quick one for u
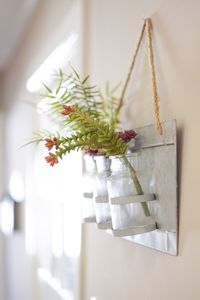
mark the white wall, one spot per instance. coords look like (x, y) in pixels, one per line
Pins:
(115, 269)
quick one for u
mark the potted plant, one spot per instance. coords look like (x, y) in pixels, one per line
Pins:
(89, 121)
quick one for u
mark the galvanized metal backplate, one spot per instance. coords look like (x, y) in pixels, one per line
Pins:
(157, 172)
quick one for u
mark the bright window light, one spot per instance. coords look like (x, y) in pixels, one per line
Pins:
(45, 276)
(7, 215)
(16, 186)
(53, 229)
(57, 59)
(72, 229)
(57, 229)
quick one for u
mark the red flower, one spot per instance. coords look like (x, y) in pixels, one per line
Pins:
(127, 135)
(50, 143)
(67, 109)
(51, 159)
(92, 152)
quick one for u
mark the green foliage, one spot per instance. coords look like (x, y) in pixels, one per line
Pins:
(72, 90)
(87, 115)
(38, 136)
(92, 134)
(87, 133)
(109, 105)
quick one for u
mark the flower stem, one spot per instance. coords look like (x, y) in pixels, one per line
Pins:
(137, 185)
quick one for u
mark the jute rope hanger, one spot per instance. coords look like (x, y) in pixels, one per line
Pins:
(147, 27)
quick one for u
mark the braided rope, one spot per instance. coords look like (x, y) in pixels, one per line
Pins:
(148, 27)
(153, 75)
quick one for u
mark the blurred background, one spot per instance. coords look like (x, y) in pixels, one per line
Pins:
(45, 252)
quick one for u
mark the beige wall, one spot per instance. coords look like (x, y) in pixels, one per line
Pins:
(115, 269)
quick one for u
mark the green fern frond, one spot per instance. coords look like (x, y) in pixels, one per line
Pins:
(109, 104)
(72, 90)
(90, 133)
(92, 122)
